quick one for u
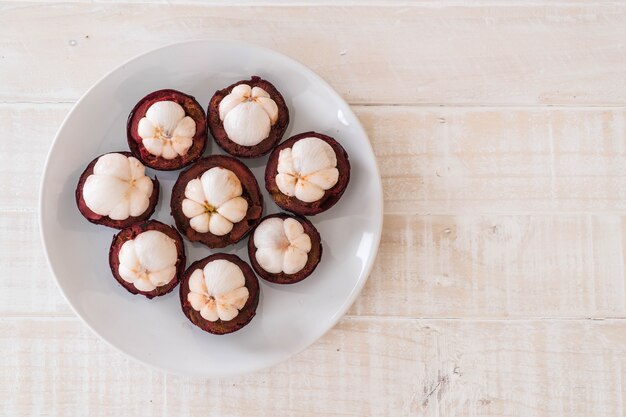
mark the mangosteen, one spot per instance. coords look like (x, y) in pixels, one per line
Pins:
(307, 174)
(219, 293)
(166, 130)
(248, 118)
(115, 191)
(284, 249)
(148, 258)
(216, 201)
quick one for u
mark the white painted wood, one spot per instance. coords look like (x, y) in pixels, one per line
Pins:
(31, 130)
(498, 266)
(500, 160)
(428, 266)
(507, 54)
(433, 160)
(363, 367)
(28, 288)
(57, 367)
(504, 220)
(451, 166)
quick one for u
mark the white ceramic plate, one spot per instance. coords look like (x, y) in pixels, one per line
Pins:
(289, 317)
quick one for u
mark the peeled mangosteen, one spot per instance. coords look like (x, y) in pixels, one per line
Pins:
(248, 118)
(308, 173)
(148, 258)
(284, 249)
(219, 293)
(114, 191)
(216, 201)
(166, 130)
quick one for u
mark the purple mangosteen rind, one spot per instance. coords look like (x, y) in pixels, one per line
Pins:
(106, 220)
(216, 126)
(331, 196)
(251, 192)
(131, 233)
(314, 256)
(192, 109)
(246, 314)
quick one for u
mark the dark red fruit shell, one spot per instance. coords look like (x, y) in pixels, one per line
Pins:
(130, 233)
(251, 193)
(245, 314)
(192, 109)
(330, 197)
(276, 132)
(106, 220)
(315, 255)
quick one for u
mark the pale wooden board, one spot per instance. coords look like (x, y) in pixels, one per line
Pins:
(28, 287)
(432, 160)
(500, 160)
(363, 367)
(31, 130)
(377, 3)
(508, 54)
(498, 266)
(57, 367)
(498, 209)
(462, 264)
(428, 266)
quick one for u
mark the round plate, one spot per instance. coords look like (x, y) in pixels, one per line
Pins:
(155, 332)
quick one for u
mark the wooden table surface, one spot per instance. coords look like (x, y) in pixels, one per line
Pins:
(500, 131)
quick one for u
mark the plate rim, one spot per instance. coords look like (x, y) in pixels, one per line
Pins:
(347, 303)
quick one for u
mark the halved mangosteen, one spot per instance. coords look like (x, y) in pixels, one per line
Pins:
(219, 293)
(284, 249)
(308, 173)
(166, 130)
(216, 201)
(114, 191)
(148, 258)
(248, 118)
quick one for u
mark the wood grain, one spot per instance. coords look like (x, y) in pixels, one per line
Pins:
(57, 367)
(500, 131)
(31, 130)
(427, 266)
(531, 54)
(363, 367)
(377, 367)
(28, 287)
(498, 266)
(432, 160)
(474, 259)
(499, 160)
